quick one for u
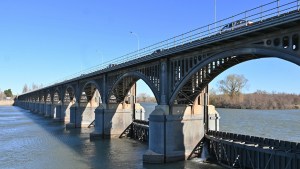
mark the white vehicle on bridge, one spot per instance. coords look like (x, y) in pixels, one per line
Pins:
(236, 24)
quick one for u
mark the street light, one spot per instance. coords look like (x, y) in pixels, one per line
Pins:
(138, 41)
(215, 13)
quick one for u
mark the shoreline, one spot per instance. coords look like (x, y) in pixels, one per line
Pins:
(6, 102)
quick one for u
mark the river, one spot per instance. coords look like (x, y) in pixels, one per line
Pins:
(31, 141)
(275, 124)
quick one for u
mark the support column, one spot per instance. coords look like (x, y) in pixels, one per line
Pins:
(157, 135)
(157, 121)
(48, 110)
(98, 132)
(99, 113)
(73, 110)
(36, 105)
(57, 111)
(42, 109)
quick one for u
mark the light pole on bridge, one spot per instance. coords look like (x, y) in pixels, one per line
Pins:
(138, 41)
(215, 5)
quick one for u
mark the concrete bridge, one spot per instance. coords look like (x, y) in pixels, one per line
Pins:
(178, 71)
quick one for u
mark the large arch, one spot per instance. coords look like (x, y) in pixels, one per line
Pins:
(217, 63)
(68, 98)
(56, 104)
(121, 102)
(89, 100)
(130, 78)
(48, 103)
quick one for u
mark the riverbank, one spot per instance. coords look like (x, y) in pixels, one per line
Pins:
(6, 102)
(258, 100)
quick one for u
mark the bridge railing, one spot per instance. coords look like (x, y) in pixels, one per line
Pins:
(243, 151)
(251, 17)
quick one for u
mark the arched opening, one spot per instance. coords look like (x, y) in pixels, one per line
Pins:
(56, 109)
(48, 105)
(125, 115)
(68, 101)
(89, 101)
(190, 96)
(145, 101)
(270, 101)
(42, 104)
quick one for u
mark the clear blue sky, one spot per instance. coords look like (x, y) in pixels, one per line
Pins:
(42, 41)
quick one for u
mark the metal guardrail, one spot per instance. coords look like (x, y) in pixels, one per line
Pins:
(256, 15)
(243, 151)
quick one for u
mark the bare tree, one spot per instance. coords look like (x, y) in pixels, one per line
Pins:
(142, 97)
(25, 89)
(34, 86)
(232, 85)
(1, 95)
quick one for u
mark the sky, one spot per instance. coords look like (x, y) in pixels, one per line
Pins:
(43, 41)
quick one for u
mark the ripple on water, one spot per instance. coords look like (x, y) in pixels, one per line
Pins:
(32, 141)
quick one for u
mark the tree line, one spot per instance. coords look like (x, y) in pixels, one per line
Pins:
(33, 87)
(232, 97)
(144, 97)
(5, 94)
(257, 100)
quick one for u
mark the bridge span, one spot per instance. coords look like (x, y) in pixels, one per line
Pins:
(178, 71)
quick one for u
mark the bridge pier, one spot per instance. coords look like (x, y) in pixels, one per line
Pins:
(172, 137)
(56, 108)
(72, 122)
(65, 115)
(41, 109)
(99, 123)
(36, 110)
(48, 109)
(111, 120)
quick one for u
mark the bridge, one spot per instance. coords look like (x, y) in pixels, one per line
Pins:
(178, 71)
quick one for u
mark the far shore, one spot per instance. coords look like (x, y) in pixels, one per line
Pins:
(6, 102)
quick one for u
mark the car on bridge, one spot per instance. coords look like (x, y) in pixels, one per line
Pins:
(235, 25)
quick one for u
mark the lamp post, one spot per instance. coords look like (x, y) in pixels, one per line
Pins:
(215, 4)
(138, 41)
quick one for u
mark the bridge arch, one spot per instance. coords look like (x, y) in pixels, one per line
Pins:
(56, 95)
(214, 65)
(68, 98)
(89, 101)
(69, 94)
(88, 86)
(127, 80)
(56, 104)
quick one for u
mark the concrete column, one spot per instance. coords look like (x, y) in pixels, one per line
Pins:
(48, 110)
(66, 112)
(172, 137)
(99, 123)
(157, 135)
(36, 107)
(29, 106)
(112, 120)
(57, 115)
(42, 109)
(73, 110)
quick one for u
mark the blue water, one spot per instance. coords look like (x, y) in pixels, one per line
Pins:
(275, 124)
(31, 141)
